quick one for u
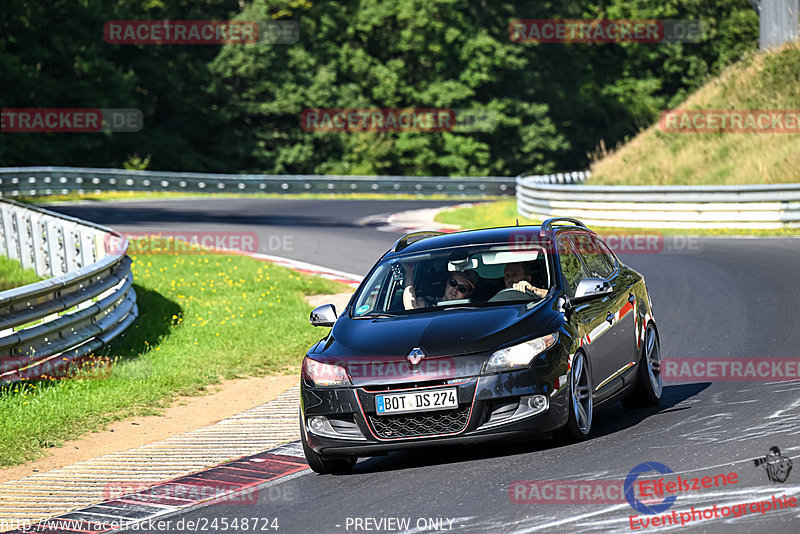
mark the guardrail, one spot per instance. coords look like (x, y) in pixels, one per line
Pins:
(35, 181)
(87, 300)
(768, 206)
(574, 177)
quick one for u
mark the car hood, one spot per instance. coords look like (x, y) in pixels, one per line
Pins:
(455, 341)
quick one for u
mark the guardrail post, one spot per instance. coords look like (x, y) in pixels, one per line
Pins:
(99, 247)
(25, 241)
(39, 252)
(87, 245)
(3, 234)
(71, 256)
(56, 247)
(10, 234)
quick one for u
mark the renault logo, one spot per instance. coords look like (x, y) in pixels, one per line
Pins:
(415, 356)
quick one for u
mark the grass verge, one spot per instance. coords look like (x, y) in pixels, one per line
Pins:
(202, 318)
(504, 213)
(13, 275)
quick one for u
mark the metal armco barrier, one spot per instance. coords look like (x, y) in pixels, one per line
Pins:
(575, 177)
(778, 22)
(35, 181)
(87, 300)
(768, 206)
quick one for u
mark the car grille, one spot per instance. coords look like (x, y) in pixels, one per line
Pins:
(419, 424)
(408, 385)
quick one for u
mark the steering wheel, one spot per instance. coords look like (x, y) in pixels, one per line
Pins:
(509, 290)
(509, 293)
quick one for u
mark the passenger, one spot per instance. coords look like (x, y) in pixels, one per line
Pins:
(460, 285)
(519, 276)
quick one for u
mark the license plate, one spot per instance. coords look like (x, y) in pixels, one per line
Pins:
(422, 401)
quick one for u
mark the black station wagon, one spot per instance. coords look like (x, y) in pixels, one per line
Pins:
(478, 335)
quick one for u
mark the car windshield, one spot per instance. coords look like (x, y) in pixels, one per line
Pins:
(466, 276)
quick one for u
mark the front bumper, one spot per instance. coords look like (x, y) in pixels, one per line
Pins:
(485, 413)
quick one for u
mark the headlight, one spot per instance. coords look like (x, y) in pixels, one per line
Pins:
(325, 375)
(520, 355)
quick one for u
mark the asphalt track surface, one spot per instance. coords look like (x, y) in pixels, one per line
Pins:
(723, 297)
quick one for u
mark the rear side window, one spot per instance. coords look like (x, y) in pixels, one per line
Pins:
(595, 261)
(606, 252)
(572, 268)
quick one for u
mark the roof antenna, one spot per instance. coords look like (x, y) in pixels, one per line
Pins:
(517, 221)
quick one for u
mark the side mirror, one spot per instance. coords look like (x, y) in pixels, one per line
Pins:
(325, 315)
(588, 289)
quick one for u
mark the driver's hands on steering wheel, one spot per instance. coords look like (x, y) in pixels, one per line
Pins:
(525, 286)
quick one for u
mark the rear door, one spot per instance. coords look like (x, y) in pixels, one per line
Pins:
(589, 318)
(616, 331)
(624, 281)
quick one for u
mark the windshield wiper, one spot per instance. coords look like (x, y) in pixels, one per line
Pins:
(376, 315)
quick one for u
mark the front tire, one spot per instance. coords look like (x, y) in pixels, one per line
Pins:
(322, 464)
(581, 404)
(649, 384)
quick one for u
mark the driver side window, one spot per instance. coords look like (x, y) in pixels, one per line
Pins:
(595, 261)
(572, 268)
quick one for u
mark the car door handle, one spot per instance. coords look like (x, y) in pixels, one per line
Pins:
(610, 318)
(631, 298)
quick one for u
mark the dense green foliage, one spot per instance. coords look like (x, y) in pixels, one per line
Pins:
(236, 108)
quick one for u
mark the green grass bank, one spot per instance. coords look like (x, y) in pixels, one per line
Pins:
(202, 319)
(760, 81)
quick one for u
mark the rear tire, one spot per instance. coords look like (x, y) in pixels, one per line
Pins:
(581, 404)
(322, 464)
(649, 385)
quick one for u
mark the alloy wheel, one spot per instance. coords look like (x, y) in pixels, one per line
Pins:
(653, 358)
(581, 394)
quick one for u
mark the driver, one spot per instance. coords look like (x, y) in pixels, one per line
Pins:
(519, 276)
(460, 285)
